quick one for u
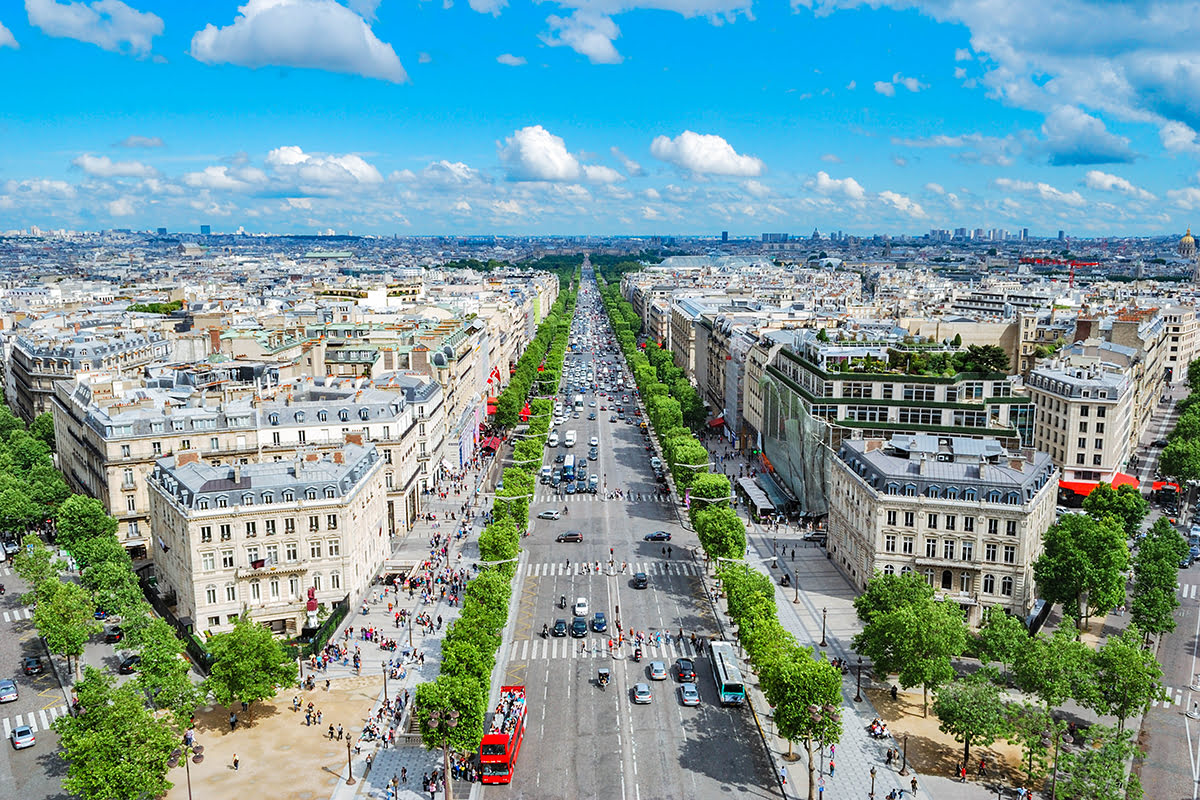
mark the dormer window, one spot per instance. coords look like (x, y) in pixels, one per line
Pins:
(288, 495)
(247, 499)
(344, 415)
(364, 414)
(311, 494)
(330, 492)
(273, 419)
(222, 502)
(299, 416)
(202, 503)
(322, 415)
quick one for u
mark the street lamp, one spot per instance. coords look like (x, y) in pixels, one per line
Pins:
(188, 754)
(445, 725)
(904, 766)
(383, 667)
(819, 715)
(824, 611)
(858, 686)
(349, 764)
(872, 794)
(1060, 735)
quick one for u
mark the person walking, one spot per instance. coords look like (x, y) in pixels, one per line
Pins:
(235, 762)
(232, 720)
(914, 786)
(831, 767)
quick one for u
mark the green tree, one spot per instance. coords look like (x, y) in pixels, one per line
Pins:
(114, 587)
(1054, 669)
(116, 748)
(1027, 722)
(248, 664)
(1083, 565)
(499, 541)
(709, 486)
(36, 564)
(690, 460)
(65, 618)
(1127, 676)
(1181, 459)
(1126, 504)
(886, 593)
(1155, 578)
(461, 694)
(916, 642)
(1193, 376)
(1096, 770)
(801, 682)
(164, 672)
(721, 532)
(81, 518)
(1001, 638)
(972, 711)
(17, 511)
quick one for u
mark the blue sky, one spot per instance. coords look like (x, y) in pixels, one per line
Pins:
(601, 116)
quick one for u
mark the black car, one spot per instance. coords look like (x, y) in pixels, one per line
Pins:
(579, 627)
(114, 634)
(560, 458)
(1159, 443)
(570, 536)
(32, 665)
(560, 628)
(657, 536)
(130, 665)
(685, 670)
(640, 581)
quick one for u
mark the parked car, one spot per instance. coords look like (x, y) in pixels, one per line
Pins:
(32, 665)
(22, 737)
(130, 664)
(114, 634)
(1159, 443)
(657, 536)
(8, 691)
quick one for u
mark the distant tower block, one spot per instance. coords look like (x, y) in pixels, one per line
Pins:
(1187, 249)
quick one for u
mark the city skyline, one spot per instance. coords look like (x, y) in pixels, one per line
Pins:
(301, 116)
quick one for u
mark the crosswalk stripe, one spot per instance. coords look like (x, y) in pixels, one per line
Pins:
(42, 716)
(7, 729)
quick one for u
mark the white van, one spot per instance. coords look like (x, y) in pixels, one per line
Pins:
(553, 440)
(545, 475)
(570, 440)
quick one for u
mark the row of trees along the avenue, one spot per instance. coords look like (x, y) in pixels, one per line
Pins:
(910, 634)
(119, 739)
(802, 687)
(470, 645)
(1181, 457)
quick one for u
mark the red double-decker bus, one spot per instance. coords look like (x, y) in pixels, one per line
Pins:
(504, 730)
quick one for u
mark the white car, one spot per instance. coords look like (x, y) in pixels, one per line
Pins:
(581, 607)
(594, 441)
(22, 737)
(688, 695)
(552, 513)
(8, 691)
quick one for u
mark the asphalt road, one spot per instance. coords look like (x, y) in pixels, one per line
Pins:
(588, 742)
(35, 772)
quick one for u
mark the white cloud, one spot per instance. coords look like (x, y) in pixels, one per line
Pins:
(1073, 137)
(846, 187)
(705, 154)
(121, 207)
(1042, 190)
(962, 54)
(973, 147)
(1178, 138)
(852, 85)
(310, 34)
(1095, 179)
(885, 88)
(140, 141)
(321, 173)
(451, 173)
(7, 39)
(902, 204)
(365, 8)
(508, 59)
(534, 154)
(899, 161)
(960, 73)
(222, 178)
(632, 168)
(1188, 199)
(487, 6)
(424, 58)
(935, 188)
(912, 84)
(586, 33)
(830, 158)
(757, 188)
(601, 174)
(109, 24)
(652, 194)
(651, 213)
(105, 167)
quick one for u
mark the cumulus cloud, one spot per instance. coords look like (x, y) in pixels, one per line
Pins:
(222, 178)
(632, 168)
(885, 88)
(705, 154)
(934, 188)
(487, 6)
(962, 54)
(105, 167)
(315, 172)
(830, 158)
(1187, 199)
(600, 174)
(534, 154)
(1074, 137)
(365, 8)
(972, 147)
(509, 60)
(888, 88)
(311, 34)
(140, 141)
(586, 33)
(757, 188)
(1095, 179)
(110, 24)
(844, 187)
(1178, 138)
(122, 207)
(7, 39)
(451, 173)
(1042, 190)
(902, 204)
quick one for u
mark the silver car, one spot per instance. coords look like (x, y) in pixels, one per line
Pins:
(688, 695)
(658, 671)
(641, 693)
(8, 691)
(22, 737)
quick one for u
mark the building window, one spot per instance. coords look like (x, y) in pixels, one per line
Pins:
(1010, 554)
(124, 451)
(910, 519)
(964, 582)
(222, 502)
(272, 554)
(387, 480)
(989, 552)
(931, 522)
(889, 543)
(387, 456)
(1010, 527)
(330, 493)
(989, 584)
(314, 523)
(928, 576)
(314, 549)
(294, 586)
(255, 590)
(210, 595)
(289, 525)
(130, 503)
(906, 570)
(316, 578)
(931, 548)
(127, 478)
(252, 529)
(230, 593)
(968, 551)
(205, 533)
(275, 437)
(213, 622)
(891, 517)
(310, 494)
(951, 522)
(156, 447)
(226, 559)
(888, 569)
(1096, 460)
(948, 548)
(335, 580)
(268, 498)
(291, 551)
(907, 545)
(993, 527)
(208, 561)
(214, 443)
(335, 547)
(185, 444)
(226, 533)
(969, 524)
(270, 525)
(331, 522)
(273, 587)
(1006, 586)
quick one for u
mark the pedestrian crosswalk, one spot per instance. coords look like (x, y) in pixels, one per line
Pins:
(586, 497)
(37, 720)
(651, 568)
(20, 613)
(1174, 698)
(596, 647)
(1187, 591)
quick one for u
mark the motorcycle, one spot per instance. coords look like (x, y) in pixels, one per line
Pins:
(637, 655)
(545, 631)
(562, 601)
(602, 677)
(2, 589)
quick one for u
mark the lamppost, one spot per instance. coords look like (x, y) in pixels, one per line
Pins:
(872, 794)
(384, 668)
(858, 686)
(820, 716)
(445, 724)
(1059, 735)
(904, 766)
(188, 754)
(824, 611)
(349, 764)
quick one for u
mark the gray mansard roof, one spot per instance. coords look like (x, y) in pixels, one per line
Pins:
(200, 485)
(948, 467)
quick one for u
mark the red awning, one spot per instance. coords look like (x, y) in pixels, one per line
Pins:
(1085, 487)
(1158, 485)
(491, 443)
(716, 423)
(491, 405)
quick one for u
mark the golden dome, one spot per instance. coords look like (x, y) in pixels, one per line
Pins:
(1187, 237)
